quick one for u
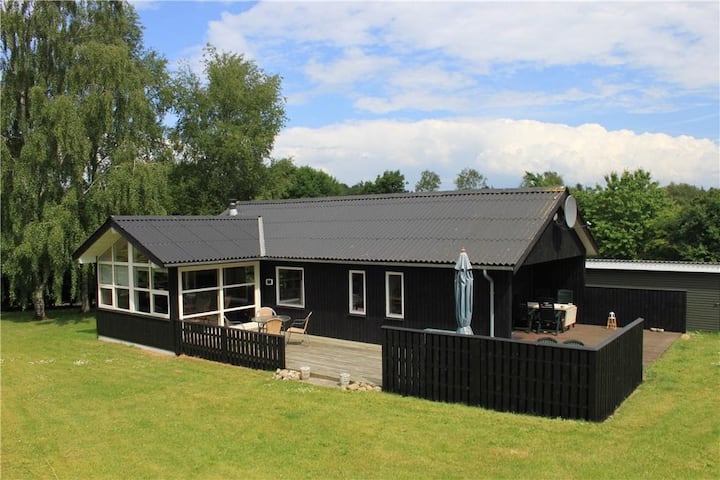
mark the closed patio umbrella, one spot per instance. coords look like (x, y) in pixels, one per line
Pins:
(463, 293)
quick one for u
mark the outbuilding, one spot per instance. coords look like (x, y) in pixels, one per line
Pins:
(673, 296)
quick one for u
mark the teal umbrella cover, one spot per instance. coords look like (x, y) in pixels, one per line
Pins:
(463, 293)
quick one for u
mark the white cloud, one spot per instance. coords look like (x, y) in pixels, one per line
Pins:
(465, 57)
(487, 59)
(353, 65)
(678, 41)
(500, 149)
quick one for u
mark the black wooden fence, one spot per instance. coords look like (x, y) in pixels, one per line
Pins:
(553, 380)
(664, 309)
(230, 345)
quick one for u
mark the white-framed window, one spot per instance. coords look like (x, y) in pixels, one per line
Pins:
(356, 287)
(394, 295)
(220, 294)
(290, 286)
(128, 280)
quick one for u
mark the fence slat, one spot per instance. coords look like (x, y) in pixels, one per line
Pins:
(553, 380)
(229, 345)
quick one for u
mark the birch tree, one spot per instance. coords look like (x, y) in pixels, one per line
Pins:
(81, 103)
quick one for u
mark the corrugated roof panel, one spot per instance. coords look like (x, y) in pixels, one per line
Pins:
(408, 227)
(497, 227)
(181, 240)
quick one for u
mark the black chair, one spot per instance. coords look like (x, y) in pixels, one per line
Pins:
(549, 321)
(523, 317)
(564, 296)
(546, 340)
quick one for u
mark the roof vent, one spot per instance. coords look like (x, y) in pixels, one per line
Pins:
(233, 208)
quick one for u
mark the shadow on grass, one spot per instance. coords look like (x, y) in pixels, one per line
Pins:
(58, 316)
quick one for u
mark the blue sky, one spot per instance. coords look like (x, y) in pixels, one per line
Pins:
(580, 88)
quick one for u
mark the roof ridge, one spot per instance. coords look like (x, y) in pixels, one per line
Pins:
(400, 195)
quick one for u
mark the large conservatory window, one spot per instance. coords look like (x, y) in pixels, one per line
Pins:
(128, 280)
(219, 295)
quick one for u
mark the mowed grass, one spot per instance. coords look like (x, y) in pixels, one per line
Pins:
(76, 407)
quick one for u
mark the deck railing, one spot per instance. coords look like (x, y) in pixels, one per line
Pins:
(246, 348)
(553, 380)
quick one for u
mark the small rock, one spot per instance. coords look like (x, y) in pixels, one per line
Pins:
(685, 336)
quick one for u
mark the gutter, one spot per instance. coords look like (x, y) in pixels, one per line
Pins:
(261, 236)
(492, 301)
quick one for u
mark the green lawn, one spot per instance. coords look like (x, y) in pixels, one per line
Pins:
(75, 407)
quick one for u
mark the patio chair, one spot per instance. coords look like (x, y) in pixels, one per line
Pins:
(298, 327)
(548, 320)
(564, 295)
(523, 317)
(266, 312)
(546, 340)
(230, 323)
(273, 326)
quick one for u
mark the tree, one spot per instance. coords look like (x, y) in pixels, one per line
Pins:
(226, 128)
(684, 194)
(79, 98)
(625, 214)
(280, 176)
(391, 181)
(285, 180)
(470, 179)
(546, 179)
(429, 182)
(309, 182)
(695, 234)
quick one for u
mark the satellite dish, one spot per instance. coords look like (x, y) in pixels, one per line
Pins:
(570, 211)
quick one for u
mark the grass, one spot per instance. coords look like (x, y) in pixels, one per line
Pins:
(76, 407)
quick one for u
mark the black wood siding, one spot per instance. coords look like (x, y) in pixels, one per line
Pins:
(660, 308)
(702, 310)
(142, 330)
(429, 300)
(557, 242)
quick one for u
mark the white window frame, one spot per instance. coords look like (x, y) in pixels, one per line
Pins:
(388, 313)
(351, 293)
(216, 288)
(131, 288)
(283, 302)
(256, 288)
(219, 312)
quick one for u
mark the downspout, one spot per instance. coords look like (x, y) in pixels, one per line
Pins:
(261, 236)
(492, 301)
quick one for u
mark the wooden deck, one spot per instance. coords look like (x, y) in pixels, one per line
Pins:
(654, 343)
(329, 357)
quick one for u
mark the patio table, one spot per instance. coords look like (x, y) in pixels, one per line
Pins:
(569, 312)
(262, 320)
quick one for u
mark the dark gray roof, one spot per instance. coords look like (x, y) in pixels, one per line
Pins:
(498, 228)
(179, 240)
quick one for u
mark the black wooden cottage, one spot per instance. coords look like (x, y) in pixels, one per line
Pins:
(357, 262)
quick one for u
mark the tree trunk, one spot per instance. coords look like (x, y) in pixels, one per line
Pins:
(84, 289)
(39, 302)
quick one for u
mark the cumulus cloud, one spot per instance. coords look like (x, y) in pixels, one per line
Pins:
(678, 41)
(480, 63)
(501, 149)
